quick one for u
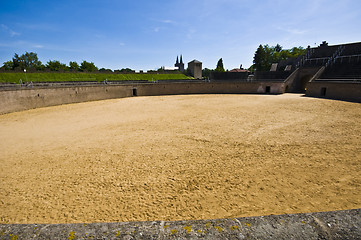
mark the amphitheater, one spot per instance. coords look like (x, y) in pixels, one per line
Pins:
(228, 158)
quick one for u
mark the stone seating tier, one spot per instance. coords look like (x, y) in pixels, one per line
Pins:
(343, 70)
(267, 75)
(351, 49)
(324, 51)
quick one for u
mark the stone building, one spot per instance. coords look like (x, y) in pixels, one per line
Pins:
(179, 64)
(195, 68)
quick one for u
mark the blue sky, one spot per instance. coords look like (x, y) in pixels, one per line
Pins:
(145, 34)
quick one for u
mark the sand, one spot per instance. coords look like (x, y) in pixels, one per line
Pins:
(179, 158)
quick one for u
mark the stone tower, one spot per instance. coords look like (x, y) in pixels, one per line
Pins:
(179, 64)
(195, 68)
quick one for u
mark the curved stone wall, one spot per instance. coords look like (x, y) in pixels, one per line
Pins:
(29, 98)
(335, 90)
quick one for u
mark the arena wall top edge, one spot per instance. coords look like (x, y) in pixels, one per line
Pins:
(31, 85)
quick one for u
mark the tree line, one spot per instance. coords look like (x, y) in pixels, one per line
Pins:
(266, 55)
(31, 62)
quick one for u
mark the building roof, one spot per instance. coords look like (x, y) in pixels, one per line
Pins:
(195, 61)
(239, 70)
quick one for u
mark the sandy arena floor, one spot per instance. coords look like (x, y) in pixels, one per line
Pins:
(178, 158)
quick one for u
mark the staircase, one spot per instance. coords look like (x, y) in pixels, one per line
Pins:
(332, 59)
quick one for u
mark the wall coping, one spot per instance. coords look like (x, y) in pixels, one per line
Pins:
(17, 87)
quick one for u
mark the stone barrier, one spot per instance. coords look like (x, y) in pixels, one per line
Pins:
(323, 225)
(13, 100)
(349, 91)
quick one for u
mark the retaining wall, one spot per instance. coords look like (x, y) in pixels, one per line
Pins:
(334, 90)
(303, 76)
(324, 225)
(28, 98)
(24, 99)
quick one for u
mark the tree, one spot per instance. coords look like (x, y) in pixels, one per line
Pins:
(278, 48)
(161, 69)
(271, 56)
(88, 67)
(127, 70)
(266, 55)
(220, 67)
(206, 72)
(8, 65)
(260, 59)
(56, 66)
(324, 44)
(73, 66)
(296, 51)
(105, 70)
(27, 61)
(251, 68)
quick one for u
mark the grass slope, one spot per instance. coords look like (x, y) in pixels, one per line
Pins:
(66, 77)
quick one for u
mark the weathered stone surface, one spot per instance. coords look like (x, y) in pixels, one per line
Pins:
(20, 99)
(325, 225)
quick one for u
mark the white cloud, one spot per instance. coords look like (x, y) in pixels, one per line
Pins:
(38, 46)
(292, 30)
(12, 33)
(38, 26)
(167, 21)
(22, 44)
(9, 31)
(4, 27)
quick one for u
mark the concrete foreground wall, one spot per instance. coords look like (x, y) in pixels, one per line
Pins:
(334, 90)
(325, 225)
(24, 99)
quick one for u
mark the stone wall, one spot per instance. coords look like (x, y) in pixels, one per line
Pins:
(269, 75)
(334, 90)
(324, 225)
(23, 99)
(303, 76)
(208, 88)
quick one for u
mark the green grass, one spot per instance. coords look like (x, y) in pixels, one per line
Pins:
(96, 77)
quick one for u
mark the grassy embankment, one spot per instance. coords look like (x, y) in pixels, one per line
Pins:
(96, 77)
